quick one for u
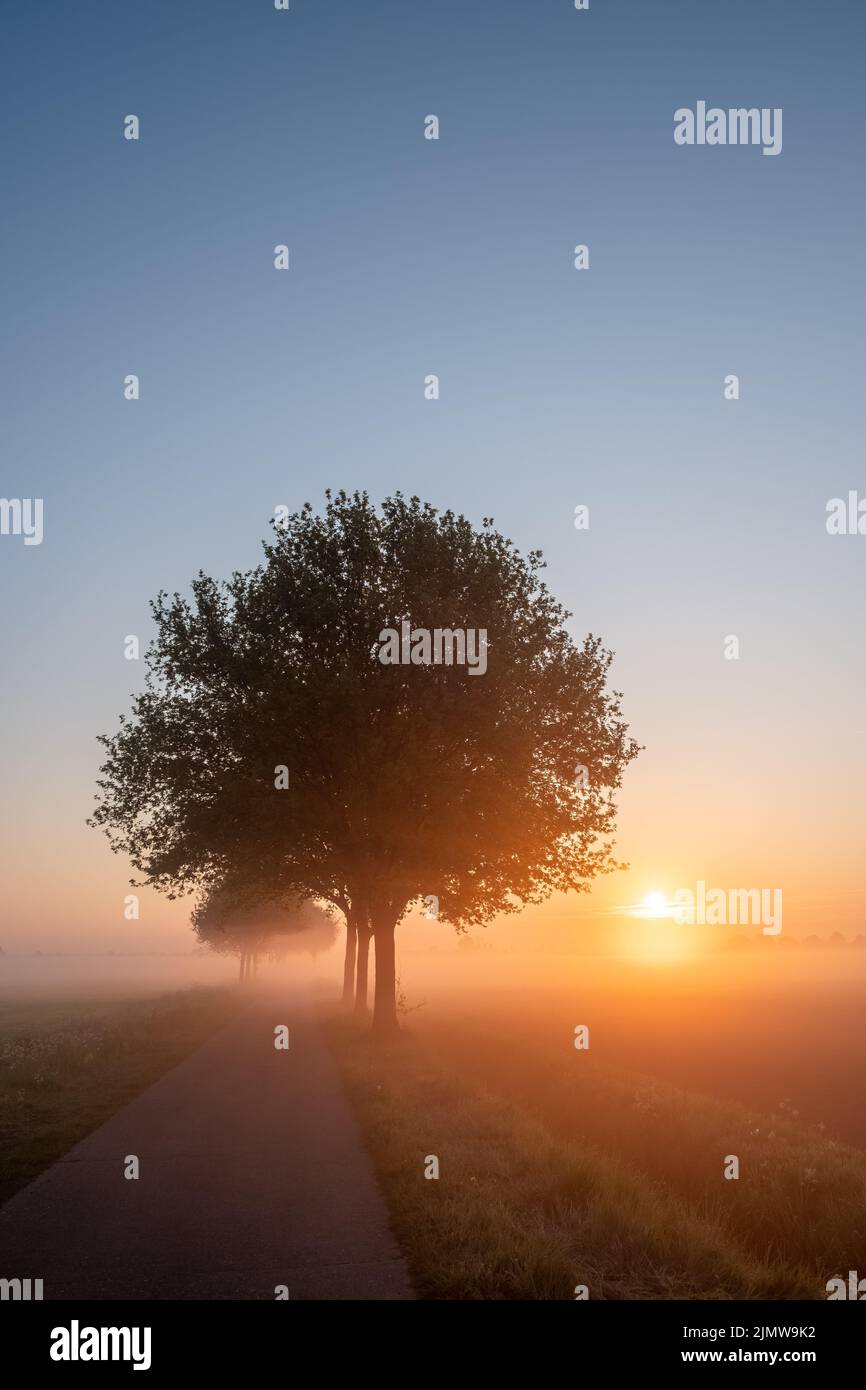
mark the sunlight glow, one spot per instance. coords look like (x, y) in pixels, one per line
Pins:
(661, 939)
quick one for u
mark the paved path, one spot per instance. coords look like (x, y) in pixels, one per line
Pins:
(253, 1174)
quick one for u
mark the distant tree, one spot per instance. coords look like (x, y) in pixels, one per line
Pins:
(312, 941)
(489, 790)
(229, 919)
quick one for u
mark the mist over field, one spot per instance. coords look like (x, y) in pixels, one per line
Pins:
(756, 1023)
(758, 1026)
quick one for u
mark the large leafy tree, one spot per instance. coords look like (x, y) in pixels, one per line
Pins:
(488, 791)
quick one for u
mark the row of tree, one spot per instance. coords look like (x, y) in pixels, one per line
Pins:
(230, 922)
(272, 749)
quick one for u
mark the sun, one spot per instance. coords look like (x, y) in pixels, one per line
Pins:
(654, 906)
(659, 940)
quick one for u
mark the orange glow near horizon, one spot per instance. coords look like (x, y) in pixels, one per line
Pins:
(660, 940)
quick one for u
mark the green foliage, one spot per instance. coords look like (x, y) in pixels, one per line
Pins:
(232, 918)
(405, 780)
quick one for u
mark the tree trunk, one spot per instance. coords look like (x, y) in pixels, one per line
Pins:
(385, 1000)
(349, 961)
(361, 990)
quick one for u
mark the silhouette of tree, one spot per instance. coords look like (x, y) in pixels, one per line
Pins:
(489, 791)
(228, 918)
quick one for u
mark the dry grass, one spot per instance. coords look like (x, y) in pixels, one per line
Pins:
(800, 1199)
(520, 1213)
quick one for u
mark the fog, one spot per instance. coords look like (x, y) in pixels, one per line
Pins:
(119, 976)
(758, 1026)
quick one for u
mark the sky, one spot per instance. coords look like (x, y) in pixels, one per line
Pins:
(558, 387)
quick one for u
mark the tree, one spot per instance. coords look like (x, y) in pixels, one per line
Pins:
(312, 941)
(488, 790)
(231, 918)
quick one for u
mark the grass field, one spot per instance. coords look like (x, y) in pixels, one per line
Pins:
(522, 1209)
(65, 1067)
(558, 1169)
(800, 1199)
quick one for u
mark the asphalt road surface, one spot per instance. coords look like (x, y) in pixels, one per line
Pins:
(253, 1176)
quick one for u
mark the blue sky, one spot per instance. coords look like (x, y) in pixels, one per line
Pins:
(454, 257)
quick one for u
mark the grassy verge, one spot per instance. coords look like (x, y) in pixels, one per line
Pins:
(65, 1068)
(518, 1213)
